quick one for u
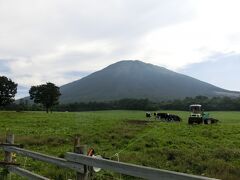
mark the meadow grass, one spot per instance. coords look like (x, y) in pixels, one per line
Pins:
(209, 150)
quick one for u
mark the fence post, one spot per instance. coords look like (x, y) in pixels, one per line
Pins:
(8, 155)
(80, 149)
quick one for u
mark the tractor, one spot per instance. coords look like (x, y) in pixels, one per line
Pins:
(198, 116)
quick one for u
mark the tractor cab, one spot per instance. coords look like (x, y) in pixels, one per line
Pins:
(196, 115)
(196, 110)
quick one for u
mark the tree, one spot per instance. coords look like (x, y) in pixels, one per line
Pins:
(8, 90)
(46, 94)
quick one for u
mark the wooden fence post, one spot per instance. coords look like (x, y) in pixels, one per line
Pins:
(8, 155)
(80, 149)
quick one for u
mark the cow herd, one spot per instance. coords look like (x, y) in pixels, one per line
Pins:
(164, 117)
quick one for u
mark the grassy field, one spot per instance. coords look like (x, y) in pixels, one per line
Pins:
(209, 150)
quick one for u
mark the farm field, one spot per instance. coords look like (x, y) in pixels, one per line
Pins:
(209, 150)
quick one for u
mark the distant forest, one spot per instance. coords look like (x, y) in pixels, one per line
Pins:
(209, 104)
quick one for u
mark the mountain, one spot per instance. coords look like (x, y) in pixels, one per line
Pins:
(136, 79)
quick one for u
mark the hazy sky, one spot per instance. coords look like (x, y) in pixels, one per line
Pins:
(64, 40)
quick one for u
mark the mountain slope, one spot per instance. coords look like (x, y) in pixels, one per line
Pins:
(135, 79)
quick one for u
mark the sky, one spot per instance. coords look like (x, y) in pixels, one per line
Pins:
(64, 40)
(220, 69)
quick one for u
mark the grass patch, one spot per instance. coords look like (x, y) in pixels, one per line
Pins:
(209, 150)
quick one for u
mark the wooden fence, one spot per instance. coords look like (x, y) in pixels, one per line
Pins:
(82, 164)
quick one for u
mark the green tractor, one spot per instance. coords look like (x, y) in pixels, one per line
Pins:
(198, 116)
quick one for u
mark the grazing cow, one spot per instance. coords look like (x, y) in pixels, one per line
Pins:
(173, 117)
(168, 117)
(162, 115)
(148, 114)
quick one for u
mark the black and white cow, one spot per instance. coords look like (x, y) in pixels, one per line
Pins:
(168, 117)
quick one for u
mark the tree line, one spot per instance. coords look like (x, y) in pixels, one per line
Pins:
(46, 97)
(123, 104)
(208, 104)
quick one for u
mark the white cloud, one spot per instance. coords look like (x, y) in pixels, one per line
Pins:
(214, 28)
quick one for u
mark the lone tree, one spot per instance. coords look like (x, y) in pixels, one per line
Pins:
(45, 94)
(8, 89)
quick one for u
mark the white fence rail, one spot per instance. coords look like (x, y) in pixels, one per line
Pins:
(80, 163)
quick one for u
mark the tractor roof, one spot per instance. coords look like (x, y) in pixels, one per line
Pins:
(195, 105)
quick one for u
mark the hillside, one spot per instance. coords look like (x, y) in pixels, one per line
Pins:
(136, 79)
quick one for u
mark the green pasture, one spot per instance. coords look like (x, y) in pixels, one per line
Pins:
(209, 150)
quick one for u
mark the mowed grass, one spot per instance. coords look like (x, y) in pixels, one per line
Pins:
(209, 150)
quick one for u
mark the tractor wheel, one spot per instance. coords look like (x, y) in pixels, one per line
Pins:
(190, 121)
(213, 120)
(208, 121)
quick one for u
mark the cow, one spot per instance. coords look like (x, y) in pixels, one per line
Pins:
(168, 117)
(148, 114)
(173, 117)
(162, 115)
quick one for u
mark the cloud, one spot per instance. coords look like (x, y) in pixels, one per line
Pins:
(39, 27)
(52, 40)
